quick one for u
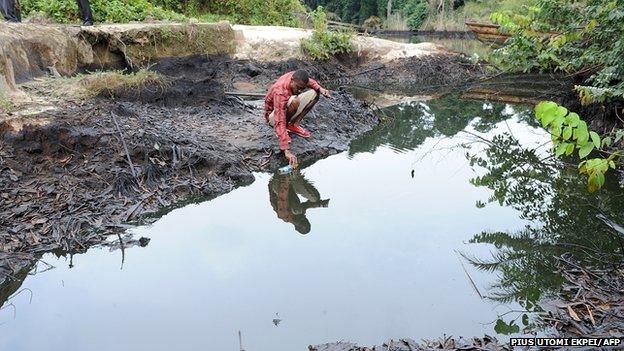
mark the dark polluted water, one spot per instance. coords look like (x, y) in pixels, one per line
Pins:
(363, 246)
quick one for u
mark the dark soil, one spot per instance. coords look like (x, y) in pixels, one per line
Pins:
(590, 303)
(486, 343)
(68, 184)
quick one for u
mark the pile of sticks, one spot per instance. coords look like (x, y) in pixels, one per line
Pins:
(594, 301)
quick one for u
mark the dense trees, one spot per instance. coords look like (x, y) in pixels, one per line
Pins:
(357, 11)
(399, 14)
(580, 37)
(266, 12)
(585, 40)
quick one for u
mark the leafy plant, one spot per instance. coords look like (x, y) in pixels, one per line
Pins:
(570, 133)
(255, 12)
(580, 37)
(66, 11)
(416, 11)
(324, 44)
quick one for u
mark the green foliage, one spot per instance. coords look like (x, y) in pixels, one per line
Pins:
(416, 11)
(583, 37)
(506, 328)
(415, 14)
(357, 11)
(570, 133)
(66, 11)
(324, 44)
(263, 12)
(254, 12)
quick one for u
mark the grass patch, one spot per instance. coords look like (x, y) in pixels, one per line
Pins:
(109, 84)
(6, 105)
(396, 21)
(213, 18)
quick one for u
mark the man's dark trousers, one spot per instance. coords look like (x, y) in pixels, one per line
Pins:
(10, 10)
(85, 11)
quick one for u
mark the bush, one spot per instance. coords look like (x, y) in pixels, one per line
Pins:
(416, 11)
(254, 12)
(581, 38)
(324, 44)
(66, 11)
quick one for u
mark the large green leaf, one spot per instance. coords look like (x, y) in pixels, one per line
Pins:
(600, 177)
(582, 133)
(569, 149)
(573, 119)
(545, 112)
(592, 183)
(595, 139)
(561, 149)
(586, 150)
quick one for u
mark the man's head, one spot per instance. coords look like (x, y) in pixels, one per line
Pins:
(299, 81)
(302, 224)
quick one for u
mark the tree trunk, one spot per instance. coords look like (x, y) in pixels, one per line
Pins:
(389, 9)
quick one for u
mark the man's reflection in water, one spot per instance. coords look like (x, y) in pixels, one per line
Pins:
(284, 191)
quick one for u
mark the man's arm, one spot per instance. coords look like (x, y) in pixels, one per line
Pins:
(268, 108)
(269, 103)
(280, 122)
(313, 84)
(280, 129)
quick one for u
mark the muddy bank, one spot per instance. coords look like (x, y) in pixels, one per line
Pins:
(33, 50)
(411, 75)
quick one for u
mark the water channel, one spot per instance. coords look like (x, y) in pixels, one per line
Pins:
(441, 221)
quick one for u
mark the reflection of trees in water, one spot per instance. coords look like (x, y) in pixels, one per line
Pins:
(563, 218)
(409, 124)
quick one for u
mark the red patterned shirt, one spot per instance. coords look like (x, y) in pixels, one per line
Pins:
(276, 100)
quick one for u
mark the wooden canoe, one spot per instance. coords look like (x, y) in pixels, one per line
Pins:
(487, 32)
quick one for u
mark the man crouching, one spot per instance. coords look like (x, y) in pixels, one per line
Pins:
(287, 102)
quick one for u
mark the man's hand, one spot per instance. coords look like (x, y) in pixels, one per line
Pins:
(292, 159)
(324, 92)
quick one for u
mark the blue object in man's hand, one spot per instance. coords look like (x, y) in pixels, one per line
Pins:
(286, 169)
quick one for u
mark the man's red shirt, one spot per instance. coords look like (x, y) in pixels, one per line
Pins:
(276, 100)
